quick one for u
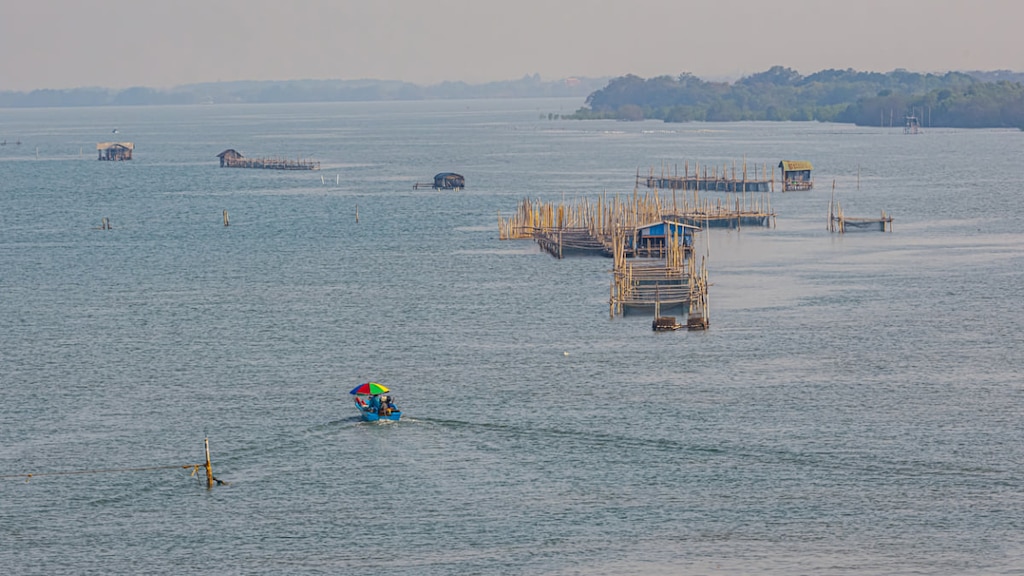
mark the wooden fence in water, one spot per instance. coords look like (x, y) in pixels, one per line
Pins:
(711, 179)
(838, 221)
(592, 223)
(673, 284)
(667, 280)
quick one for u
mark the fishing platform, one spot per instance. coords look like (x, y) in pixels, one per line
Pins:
(232, 158)
(672, 284)
(648, 241)
(647, 221)
(661, 273)
(711, 179)
(839, 222)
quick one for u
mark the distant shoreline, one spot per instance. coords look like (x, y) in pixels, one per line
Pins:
(296, 91)
(978, 99)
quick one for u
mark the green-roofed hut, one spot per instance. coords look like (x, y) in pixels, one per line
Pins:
(796, 175)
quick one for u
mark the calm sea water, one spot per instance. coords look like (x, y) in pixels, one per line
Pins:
(855, 407)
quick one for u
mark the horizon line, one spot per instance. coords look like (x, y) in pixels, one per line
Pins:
(709, 77)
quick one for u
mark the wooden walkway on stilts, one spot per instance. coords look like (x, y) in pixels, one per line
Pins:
(674, 284)
(711, 179)
(658, 277)
(589, 227)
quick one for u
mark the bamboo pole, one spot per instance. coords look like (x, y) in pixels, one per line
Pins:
(209, 467)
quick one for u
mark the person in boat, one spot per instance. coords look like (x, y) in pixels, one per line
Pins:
(388, 405)
(374, 404)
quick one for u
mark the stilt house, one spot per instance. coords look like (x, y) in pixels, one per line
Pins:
(796, 175)
(449, 181)
(657, 236)
(115, 150)
(229, 157)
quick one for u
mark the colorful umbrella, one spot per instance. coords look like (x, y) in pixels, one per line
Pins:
(369, 388)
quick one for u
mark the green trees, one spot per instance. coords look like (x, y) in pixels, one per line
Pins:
(978, 105)
(778, 94)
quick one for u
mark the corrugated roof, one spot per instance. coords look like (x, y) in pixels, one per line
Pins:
(670, 223)
(106, 145)
(795, 165)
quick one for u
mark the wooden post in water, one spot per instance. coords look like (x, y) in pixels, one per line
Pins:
(831, 207)
(357, 213)
(226, 222)
(209, 468)
(611, 299)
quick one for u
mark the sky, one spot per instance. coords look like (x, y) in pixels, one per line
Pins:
(59, 44)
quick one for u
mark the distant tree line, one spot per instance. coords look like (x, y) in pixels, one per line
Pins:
(954, 99)
(301, 91)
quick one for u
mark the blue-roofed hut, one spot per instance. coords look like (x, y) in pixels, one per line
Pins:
(449, 181)
(656, 236)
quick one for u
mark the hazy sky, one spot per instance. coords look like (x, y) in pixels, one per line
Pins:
(117, 44)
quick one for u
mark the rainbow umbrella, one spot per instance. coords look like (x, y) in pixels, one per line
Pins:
(369, 388)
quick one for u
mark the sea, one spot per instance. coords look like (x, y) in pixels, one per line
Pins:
(854, 408)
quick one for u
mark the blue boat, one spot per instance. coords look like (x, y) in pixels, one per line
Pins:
(370, 414)
(374, 404)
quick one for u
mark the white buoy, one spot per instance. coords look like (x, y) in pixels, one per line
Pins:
(565, 353)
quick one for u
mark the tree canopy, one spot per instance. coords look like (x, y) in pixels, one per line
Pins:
(953, 99)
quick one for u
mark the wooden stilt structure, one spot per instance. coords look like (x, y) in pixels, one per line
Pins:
(647, 277)
(659, 285)
(838, 221)
(231, 158)
(715, 181)
(589, 226)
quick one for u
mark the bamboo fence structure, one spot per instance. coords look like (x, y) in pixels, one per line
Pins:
(675, 283)
(698, 313)
(711, 179)
(271, 163)
(605, 218)
(641, 286)
(838, 221)
(668, 279)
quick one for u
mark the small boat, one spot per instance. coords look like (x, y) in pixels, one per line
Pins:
(374, 404)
